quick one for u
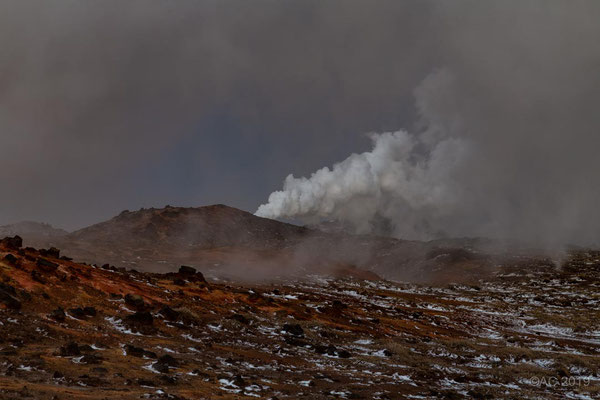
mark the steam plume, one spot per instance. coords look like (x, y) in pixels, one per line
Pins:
(406, 179)
(457, 174)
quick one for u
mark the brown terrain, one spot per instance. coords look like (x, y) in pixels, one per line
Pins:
(476, 326)
(227, 242)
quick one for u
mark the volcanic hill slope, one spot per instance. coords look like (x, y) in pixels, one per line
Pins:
(227, 242)
(75, 331)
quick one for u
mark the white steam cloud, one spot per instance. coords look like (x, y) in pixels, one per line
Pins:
(490, 159)
(405, 181)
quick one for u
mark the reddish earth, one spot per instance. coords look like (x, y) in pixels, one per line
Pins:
(69, 330)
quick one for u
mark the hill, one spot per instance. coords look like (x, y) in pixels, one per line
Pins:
(230, 243)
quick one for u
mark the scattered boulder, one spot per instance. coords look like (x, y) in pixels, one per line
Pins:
(91, 359)
(8, 297)
(331, 350)
(141, 321)
(294, 329)
(169, 360)
(169, 313)
(240, 318)
(134, 351)
(86, 348)
(89, 311)
(51, 252)
(71, 349)
(140, 318)
(164, 363)
(77, 312)
(239, 381)
(135, 300)
(58, 314)
(185, 270)
(338, 305)
(191, 274)
(36, 276)
(11, 259)
(46, 266)
(15, 242)
(81, 313)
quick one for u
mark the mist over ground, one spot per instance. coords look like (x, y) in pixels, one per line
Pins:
(485, 113)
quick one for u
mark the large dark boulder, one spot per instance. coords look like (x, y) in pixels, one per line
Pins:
(70, 349)
(135, 300)
(11, 259)
(293, 329)
(185, 270)
(15, 242)
(169, 313)
(8, 297)
(143, 318)
(77, 312)
(135, 351)
(58, 314)
(51, 252)
(45, 265)
(164, 363)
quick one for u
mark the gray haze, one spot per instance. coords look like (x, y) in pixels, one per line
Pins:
(112, 105)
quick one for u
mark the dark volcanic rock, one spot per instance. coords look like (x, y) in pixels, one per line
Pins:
(15, 242)
(140, 318)
(51, 252)
(46, 266)
(139, 352)
(164, 363)
(8, 297)
(89, 311)
(239, 381)
(169, 313)
(241, 319)
(168, 360)
(70, 349)
(11, 259)
(141, 321)
(185, 270)
(77, 312)
(91, 359)
(58, 314)
(294, 329)
(135, 300)
(36, 276)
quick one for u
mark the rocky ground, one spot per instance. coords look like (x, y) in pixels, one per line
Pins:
(75, 331)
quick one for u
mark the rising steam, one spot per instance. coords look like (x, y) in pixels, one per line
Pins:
(405, 181)
(468, 168)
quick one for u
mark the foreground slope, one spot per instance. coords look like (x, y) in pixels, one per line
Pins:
(71, 330)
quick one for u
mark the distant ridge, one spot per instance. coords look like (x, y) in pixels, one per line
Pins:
(234, 243)
(33, 233)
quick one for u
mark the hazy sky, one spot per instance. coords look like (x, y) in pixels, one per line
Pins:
(115, 105)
